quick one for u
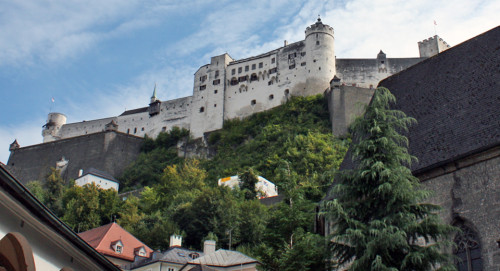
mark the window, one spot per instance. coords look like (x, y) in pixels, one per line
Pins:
(291, 66)
(253, 102)
(273, 70)
(135, 130)
(317, 42)
(215, 105)
(240, 69)
(203, 78)
(216, 82)
(287, 91)
(203, 87)
(202, 109)
(261, 65)
(234, 81)
(303, 53)
(273, 60)
(254, 66)
(233, 71)
(271, 97)
(128, 131)
(164, 128)
(215, 91)
(142, 129)
(119, 249)
(253, 77)
(216, 74)
(243, 78)
(270, 83)
(467, 249)
(302, 64)
(246, 68)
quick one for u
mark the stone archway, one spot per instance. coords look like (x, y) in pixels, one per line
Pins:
(16, 253)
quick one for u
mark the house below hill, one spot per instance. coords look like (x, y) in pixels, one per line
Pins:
(33, 238)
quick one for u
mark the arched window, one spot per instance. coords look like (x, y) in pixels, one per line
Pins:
(468, 249)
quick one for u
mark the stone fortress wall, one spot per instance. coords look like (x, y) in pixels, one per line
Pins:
(227, 88)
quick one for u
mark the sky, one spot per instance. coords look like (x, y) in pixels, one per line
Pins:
(97, 58)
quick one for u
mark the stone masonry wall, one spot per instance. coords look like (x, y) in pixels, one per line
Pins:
(472, 193)
(107, 151)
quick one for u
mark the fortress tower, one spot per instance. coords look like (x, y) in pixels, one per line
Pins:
(320, 58)
(51, 130)
(432, 46)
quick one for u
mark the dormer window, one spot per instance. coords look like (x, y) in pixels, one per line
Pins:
(140, 251)
(117, 246)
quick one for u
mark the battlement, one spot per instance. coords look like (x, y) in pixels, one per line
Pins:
(434, 39)
(319, 27)
(432, 46)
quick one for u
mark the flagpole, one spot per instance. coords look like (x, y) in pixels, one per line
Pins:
(435, 32)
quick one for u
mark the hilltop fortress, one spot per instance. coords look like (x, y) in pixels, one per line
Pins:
(223, 89)
(227, 88)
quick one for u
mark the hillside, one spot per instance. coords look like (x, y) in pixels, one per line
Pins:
(292, 146)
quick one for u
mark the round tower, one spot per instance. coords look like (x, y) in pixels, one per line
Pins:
(320, 56)
(52, 129)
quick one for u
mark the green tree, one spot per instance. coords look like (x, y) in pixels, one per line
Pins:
(54, 185)
(82, 207)
(380, 222)
(247, 181)
(36, 188)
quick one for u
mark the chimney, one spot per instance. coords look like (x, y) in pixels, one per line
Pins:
(175, 240)
(286, 43)
(80, 173)
(209, 247)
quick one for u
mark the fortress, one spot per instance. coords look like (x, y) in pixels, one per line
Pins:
(227, 88)
(223, 89)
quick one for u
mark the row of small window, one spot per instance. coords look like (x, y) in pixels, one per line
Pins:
(254, 66)
(294, 55)
(135, 130)
(234, 81)
(252, 102)
(204, 77)
(293, 65)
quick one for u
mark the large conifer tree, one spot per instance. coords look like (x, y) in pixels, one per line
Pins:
(379, 220)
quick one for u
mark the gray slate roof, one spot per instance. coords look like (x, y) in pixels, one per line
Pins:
(455, 98)
(223, 257)
(100, 173)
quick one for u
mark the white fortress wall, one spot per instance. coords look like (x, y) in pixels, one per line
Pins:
(207, 113)
(172, 113)
(84, 127)
(251, 86)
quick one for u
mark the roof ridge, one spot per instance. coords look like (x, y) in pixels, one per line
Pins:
(107, 231)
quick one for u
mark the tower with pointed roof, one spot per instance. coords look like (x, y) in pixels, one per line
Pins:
(155, 104)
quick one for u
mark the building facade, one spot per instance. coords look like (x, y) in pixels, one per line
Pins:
(227, 88)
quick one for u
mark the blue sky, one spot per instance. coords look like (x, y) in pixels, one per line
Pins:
(100, 57)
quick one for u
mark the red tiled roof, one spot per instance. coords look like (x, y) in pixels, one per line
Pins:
(101, 239)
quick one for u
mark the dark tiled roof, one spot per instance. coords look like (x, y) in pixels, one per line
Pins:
(100, 173)
(135, 111)
(455, 97)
